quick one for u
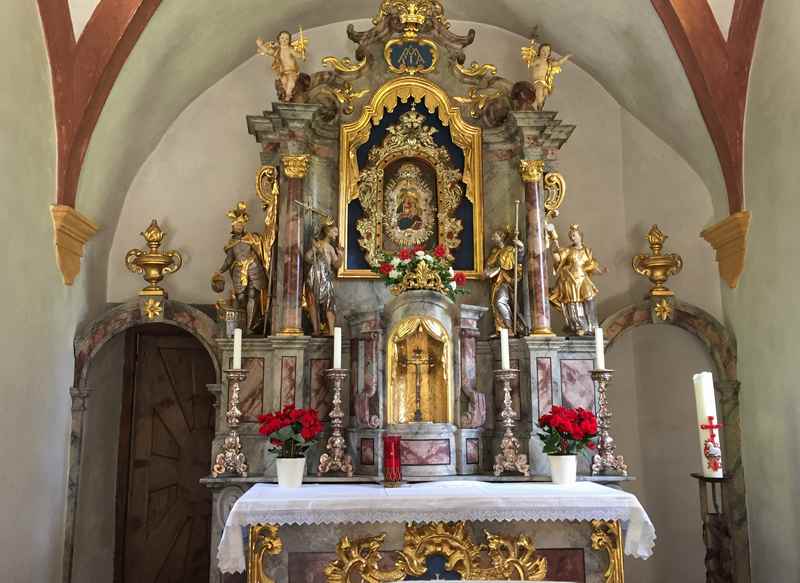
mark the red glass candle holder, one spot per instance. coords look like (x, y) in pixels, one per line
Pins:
(392, 473)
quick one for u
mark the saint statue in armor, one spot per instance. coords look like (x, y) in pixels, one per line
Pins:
(505, 258)
(245, 254)
(574, 292)
(323, 259)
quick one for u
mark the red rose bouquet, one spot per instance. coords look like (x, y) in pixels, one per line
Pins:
(393, 268)
(292, 431)
(567, 431)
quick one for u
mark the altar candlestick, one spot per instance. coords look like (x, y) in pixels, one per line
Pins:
(599, 348)
(708, 422)
(505, 357)
(237, 348)
(337, 347)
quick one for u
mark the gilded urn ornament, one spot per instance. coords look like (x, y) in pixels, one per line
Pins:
(655, 266)
(153, 264)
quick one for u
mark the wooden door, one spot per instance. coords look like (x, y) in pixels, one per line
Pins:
(163, 513)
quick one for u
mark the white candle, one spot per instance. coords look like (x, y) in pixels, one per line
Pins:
(237, 348)
(337, 347)
(505, 356)
(599, 348)
(710, 451)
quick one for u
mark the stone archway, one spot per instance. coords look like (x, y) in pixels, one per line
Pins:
(89, 340)
(721, 345)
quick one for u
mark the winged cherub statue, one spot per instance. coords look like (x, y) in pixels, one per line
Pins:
(543, 70)
(285, 54)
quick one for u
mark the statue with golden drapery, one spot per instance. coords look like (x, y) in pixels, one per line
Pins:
(574, 292)
(323, 259)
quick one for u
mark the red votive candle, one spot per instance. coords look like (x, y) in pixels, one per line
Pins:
(391, 459)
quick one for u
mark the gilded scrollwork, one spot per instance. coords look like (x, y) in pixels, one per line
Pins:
(475, 70)
(607, 536)
(555, 190)
(508, 558)
(344, 65)
(477, 101)
(263, 541)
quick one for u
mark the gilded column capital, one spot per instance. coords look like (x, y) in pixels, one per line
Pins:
(296, 166)
(531, 170)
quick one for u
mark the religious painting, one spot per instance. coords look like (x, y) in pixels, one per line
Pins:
(410, 174)
(409, 215)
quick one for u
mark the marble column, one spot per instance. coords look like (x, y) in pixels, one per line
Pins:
(734, 501)
(290, 246)
(367, 377)
(80, 397)
(532, 172)
(474, 413)
(541, 135)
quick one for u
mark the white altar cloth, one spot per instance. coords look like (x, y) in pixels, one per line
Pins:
(429, 502)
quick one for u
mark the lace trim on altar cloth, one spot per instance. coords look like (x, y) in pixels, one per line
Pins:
(638, 531)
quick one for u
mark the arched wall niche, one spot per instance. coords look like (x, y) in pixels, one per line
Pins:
(88, 344)
(721, 346)
(91, 338)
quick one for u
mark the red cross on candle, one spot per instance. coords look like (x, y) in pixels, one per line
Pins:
(711, 426)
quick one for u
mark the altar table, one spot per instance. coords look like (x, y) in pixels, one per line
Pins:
(265, 508)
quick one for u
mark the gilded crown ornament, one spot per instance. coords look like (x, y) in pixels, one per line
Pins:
(423, 277)
(655, 266)
(153, 264)
(412, 14)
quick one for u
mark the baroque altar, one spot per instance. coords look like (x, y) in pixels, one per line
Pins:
(404, 150)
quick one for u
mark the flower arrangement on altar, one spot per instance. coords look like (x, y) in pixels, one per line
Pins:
(418, 268)
(290, 432)
(567, 431)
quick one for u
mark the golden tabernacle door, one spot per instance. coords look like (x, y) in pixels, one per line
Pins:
(418, 362)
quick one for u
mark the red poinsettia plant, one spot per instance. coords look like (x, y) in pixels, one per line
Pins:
(566, 431)
(292, 431)
(394, 267)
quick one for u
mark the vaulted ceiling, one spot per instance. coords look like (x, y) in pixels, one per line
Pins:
(139, 63)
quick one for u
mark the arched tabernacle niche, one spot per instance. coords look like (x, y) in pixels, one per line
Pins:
(721, 345)
(88, 343)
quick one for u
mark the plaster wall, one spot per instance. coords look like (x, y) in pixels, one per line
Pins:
(95, 518)
(621, 178)
(40, 315)
(762, 310)
(81, 11)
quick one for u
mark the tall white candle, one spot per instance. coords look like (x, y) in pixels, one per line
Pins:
(337, 347)
(505, 355)
(599, 348)
(710, 451)
(237, 348)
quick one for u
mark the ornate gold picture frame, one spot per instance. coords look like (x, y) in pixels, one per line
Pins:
(450, 184)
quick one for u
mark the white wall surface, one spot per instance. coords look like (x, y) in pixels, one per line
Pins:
(763, 309)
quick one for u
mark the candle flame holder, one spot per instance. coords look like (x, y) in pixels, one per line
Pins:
(509, 459)
(606, 461)
(335, 458)
(232, 460)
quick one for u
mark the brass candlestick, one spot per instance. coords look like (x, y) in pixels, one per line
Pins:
(606, 461)
(335, 458)
(509, 459)
(231, 460)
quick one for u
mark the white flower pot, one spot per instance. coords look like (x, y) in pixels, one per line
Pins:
(563, 469)
(290, 471)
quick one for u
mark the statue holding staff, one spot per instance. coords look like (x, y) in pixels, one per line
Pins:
(501, 266)
(322, 259)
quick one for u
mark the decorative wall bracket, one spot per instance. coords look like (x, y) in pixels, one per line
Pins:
(71, 231)
(729, 240)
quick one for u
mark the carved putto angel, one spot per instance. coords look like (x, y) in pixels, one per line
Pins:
(543, 70)
(285, 54)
